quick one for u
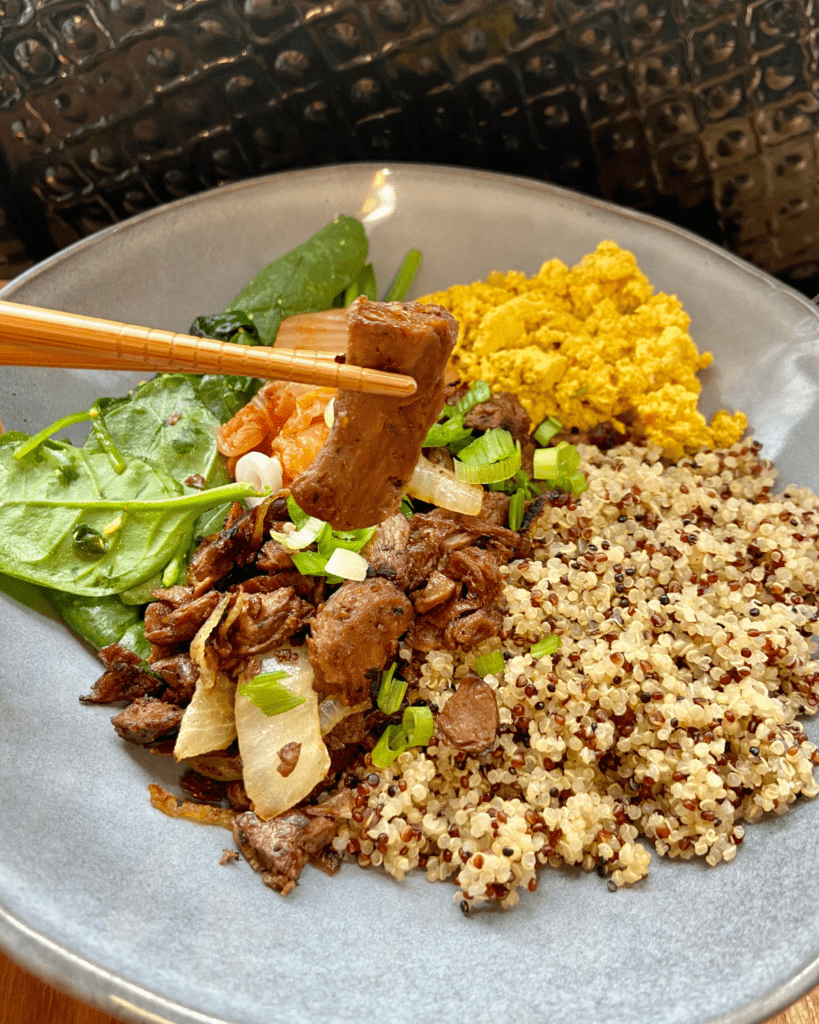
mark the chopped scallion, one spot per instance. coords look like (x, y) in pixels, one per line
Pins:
(415, 730)
(547, 430)
(392, 743)
(548, 645)
(310, 563)
(269, 695)
(391, 692)
(450, 432)
(478, 392)
(307, 534)
(489, 664)
(397, 291)
(491, 471)
(492, 446)
(516, 507)
(297, 515)
(418, 724)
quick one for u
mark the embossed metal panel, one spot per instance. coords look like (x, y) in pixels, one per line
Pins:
(705, 112)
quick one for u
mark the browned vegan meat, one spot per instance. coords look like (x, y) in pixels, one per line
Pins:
(147, 719)
(257, 623)
(469, 630)
(353, 636)
(175, 615)
(124, 678)
(234, 547)
(180, 674)
(280, 848)
(274, 558)
(435, 534)
(386, 552)
(288, 759)
(359, 476)
(470, 717)
(438, 590)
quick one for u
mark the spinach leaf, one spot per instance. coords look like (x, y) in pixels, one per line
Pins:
(306, 279)
(236, 327)
(101, 621)
(99, 532)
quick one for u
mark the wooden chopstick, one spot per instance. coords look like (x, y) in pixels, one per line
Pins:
(32, 336)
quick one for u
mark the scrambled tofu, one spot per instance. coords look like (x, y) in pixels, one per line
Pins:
(588, 345)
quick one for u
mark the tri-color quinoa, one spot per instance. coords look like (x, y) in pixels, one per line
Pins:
(686, 598)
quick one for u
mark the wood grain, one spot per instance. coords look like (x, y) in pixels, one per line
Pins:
(25, 999)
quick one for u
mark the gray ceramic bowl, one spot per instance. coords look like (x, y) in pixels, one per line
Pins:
(131, 911)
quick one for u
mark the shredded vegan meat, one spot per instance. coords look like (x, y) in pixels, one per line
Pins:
(359, 476)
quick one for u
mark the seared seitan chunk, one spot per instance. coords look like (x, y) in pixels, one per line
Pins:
(360, 474)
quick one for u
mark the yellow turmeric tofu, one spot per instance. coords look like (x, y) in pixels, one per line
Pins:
(589, 345)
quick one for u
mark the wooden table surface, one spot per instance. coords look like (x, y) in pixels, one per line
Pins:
(25, 999)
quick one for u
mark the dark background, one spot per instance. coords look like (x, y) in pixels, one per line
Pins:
(704, 112)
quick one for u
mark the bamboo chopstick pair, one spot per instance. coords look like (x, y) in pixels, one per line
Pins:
(305, 351)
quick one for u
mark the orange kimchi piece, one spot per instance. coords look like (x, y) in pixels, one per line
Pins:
(282, 419)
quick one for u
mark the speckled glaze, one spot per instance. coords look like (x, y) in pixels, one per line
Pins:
(132, 912)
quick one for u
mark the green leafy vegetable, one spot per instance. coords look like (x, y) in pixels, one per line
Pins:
(235, 327)
(100, 533)
(306, 279)
(30, 443)
(269, 695)
(102, 621)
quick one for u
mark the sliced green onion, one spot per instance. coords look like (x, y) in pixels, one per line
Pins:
(392, 743)
(551, 463)
(418, 724)
(391, 692)
(406, 507)
(546, 464)
(450, 432)
(297, 514)
(478, 392)
(310, 563)
(268, 694)
(397, 291)
(548, 645)
(489, 664)
(349, 565)
(547, 430)
(492, 446)
(489, 473)
(516, 507)
(577, 483)
(306, 535)
(415, 730)
(352, 540)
